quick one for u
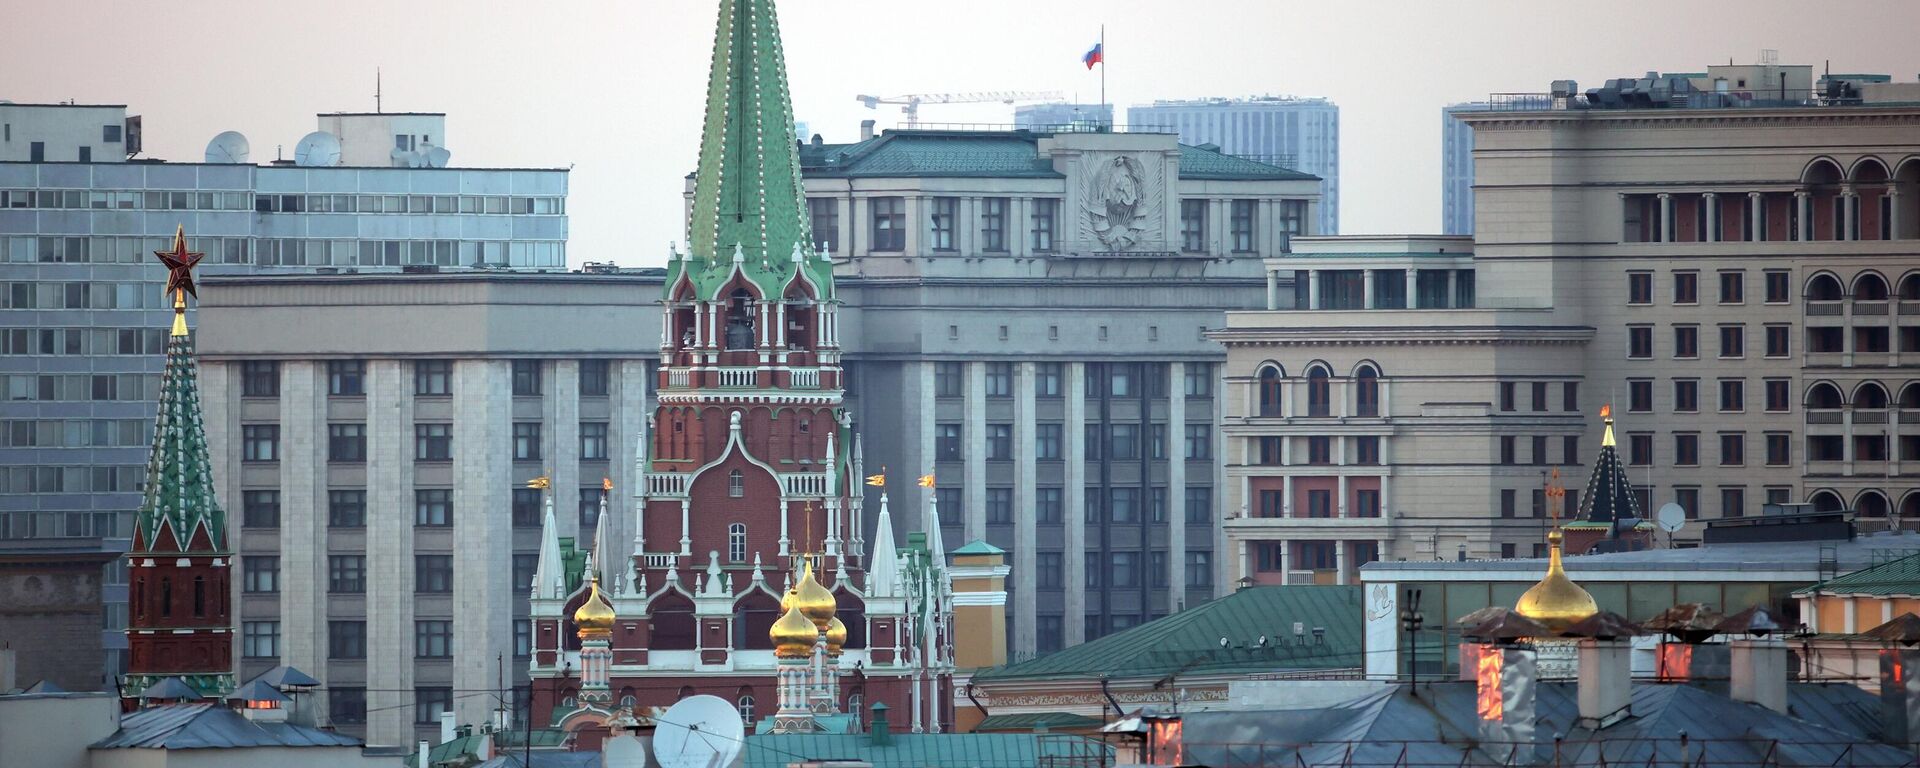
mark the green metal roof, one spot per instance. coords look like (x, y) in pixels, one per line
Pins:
(1188, 642)
(919, 750)
(995, 154)
(179, 497)
(1895, 577)
(1031, 720)
(1201, 163)
(978, 547)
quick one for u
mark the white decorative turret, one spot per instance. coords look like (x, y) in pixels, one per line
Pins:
(883, 573)
(549, 575)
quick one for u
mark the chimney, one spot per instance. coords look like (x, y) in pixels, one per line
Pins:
(1504, 702)
(423, 754)
(866, 130)
(1760, 672)
(1900, 697)
(446, 726)
(881, 735)
(1606, 682)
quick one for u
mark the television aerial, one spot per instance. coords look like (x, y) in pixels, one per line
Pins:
(317, 150)
(1671, 517)
(698, 732)
(227, 148)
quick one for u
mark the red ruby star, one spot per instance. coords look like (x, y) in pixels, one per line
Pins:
(180, 264)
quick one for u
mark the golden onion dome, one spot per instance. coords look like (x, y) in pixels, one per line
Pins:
(595, 614)
(836, 636)
(813, 600)
(793, 635)
(1556, 601)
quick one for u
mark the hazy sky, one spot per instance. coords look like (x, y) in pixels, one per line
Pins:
(614, 89)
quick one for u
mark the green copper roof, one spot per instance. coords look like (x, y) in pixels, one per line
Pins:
(179, 496)
(1188, 642)
(978, 547)
(1894, 577)
(1204, 163)
(748, 203)
(996, 154)
(918, 750)
(1028, 721)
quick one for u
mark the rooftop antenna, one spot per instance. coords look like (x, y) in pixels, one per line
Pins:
(376, 90)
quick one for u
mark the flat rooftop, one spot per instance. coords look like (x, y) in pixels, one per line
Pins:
(1762, 561)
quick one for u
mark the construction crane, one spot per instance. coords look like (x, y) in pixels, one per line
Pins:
(910, 103)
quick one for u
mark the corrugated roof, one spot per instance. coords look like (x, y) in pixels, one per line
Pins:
(207, 726)
(1189, 641)
(996, 154)
(1198, 163)
(1028, 721)
(1900, 576)
(283, 676)
(916, 750)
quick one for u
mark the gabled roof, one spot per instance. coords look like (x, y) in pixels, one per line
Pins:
(1900, 576)
(171, 688)
(996, 154)
(284, 676)
(1188, 642)
(208, 726)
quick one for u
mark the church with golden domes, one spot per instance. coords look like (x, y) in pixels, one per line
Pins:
(749, 576)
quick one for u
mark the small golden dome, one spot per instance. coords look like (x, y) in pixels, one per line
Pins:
(836, 636)
(1556, 601)
(793, 635)
(812, 599)
(595, 614)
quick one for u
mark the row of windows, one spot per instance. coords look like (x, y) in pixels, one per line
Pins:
(1732, 287)
(433, 507)
(75, 433)
(1776, 447)
(1777, 341)
(1540, 396)
(55, 249)
(431, 378)
(1123, 570)
(48, 249)
(1365, 502)
(1537, 449)
(83, 341)
(1732, 395)
(88, 295)
(99, 387)
(1119, 505)
(347, 443)
(1319, 379)
(171, 200)
(54, 479)
(65, 525)
(1275, 451)
(1101, 441)
(1118, 380)
(993, 219)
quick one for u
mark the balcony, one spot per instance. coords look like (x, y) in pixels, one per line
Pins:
(804, 378)
(679, 377)
(1870, 309)
(660, 560)
(801, 484)
(1826, 308)
(739, 378)
(666, 484)
(1865, 416)
(1825, 416)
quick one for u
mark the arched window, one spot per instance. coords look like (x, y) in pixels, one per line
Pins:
(199, 596)
(672, 626)
(1825, 395)
(1869, 287)
(1910, 397)
(1824, 287)
(685, 692)
(1367, 392)
(736, 484)
(1910, 287)
(744, 702)
(737, 543)
(626, 697)
(1910, 506)
(1270, 391)
(855, 703)
(1871, 504)
(753, 618)
(1870, 395)
(1319, 392)
(853, 613)
(740, 320)
(1827, 501)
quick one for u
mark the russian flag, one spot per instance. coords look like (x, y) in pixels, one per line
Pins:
(1095, 55)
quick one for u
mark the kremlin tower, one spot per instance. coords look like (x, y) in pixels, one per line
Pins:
(748, 518)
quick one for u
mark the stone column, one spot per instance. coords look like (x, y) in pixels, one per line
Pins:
(1286, 561)
(1273, 288)
(1803, 207)
(1025, 527)
(630, 392)
(1340, 561)
(1020, 227)
(1366, 289)
(929, 450)
(1313, 289)
(1666, 218)
(1413, 288)
(974, 428)
(1849, 210)
(1176, 484)
(1073, 622)
(1219, 213)
(1893, 213)
(1756, 229)
(482, 461)
(966, 226)
(389, 572)
(303, 521)
(1342, 511)
(1217, 459)
(1711, 201)
(1286, 494)
(562, 450)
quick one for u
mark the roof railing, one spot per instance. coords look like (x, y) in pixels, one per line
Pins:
(1078, 126)
(1616, 99)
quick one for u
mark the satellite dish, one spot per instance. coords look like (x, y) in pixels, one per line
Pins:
(437, 157)
(623, 752)
(317, 150)
(698, 732)
(1671, 517)
(227, 148)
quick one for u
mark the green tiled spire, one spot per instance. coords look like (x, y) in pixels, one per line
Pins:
(179, 499)
(749, 208)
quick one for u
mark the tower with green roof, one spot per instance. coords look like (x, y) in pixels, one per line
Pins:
(180, 565)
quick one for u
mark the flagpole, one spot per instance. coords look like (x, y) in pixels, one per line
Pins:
(1103, 65)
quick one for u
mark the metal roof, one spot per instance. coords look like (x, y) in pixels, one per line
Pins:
(258, 690)
(916, 750)
(171, 688)
(1760, 557)
(1900, 576)
(996, 154)
(283, 676)
(208, 726)
(1028, 721)
(1188, 642)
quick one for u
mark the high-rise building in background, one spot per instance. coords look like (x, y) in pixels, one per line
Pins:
(1456, 169)
(1055, 116)
(82, 318)
(1298, 133)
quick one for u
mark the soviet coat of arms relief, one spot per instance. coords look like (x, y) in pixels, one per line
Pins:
(1122, 201)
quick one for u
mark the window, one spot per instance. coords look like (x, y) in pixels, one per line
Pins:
(1779, 287)
(1686, 395)
(1046, 441)
(526, 441)
(260, 639)
(1509, 450)
(1686, 341)
(999, 379)
(1199, 380)
(1123, 504)
(1733, 287)
(1778, 344)
(259, 378)
(1570, 397)
(1570, 449)
(433, 442)
(946, 442)
(347, 509)
(948, 379)
(1639, 342)
(260, 509)
(524, 567)
(824, 213)
(433, 507)
(1825, 448)
(1689, 500)
(1639, 287)
(1123, 441)
(593, 441)
(1047, 505)
(1199, 505)
(1095, 568)
(1199, 569)
(1293, 217)
(589, 501)
(1640, 396)
(1686, 287)
(993, 224)
(346, 706)
(1120, 382)
(594, 378)
(526, 378)
(736, 485)
(1733, 395)
(1539, 396)
(945, 211)
(1243, 225)
(1539, 503)
(889, 216)
(526, 508)
(1046, 380)
(260, 442)
(432, 574)
(1509, 503)
(346, 640)
(1733, 502)
(1366, 449)
(1125, 567)
(429, 702)
(1733, 341)
(999, 505)
(261, 573)
(1049, 636)
(1640, 450)
(346, 378)
(347, 574)
(347, 443)
(1319, 503)
(1193, 226)
(522, 638)
(1779, 395)
(1539, 450)
(1686, 449)
(1046, 217)
(433, 378)
(1199, 442)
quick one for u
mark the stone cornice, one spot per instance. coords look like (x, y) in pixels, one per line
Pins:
(1695, 118)
(1379, 336)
